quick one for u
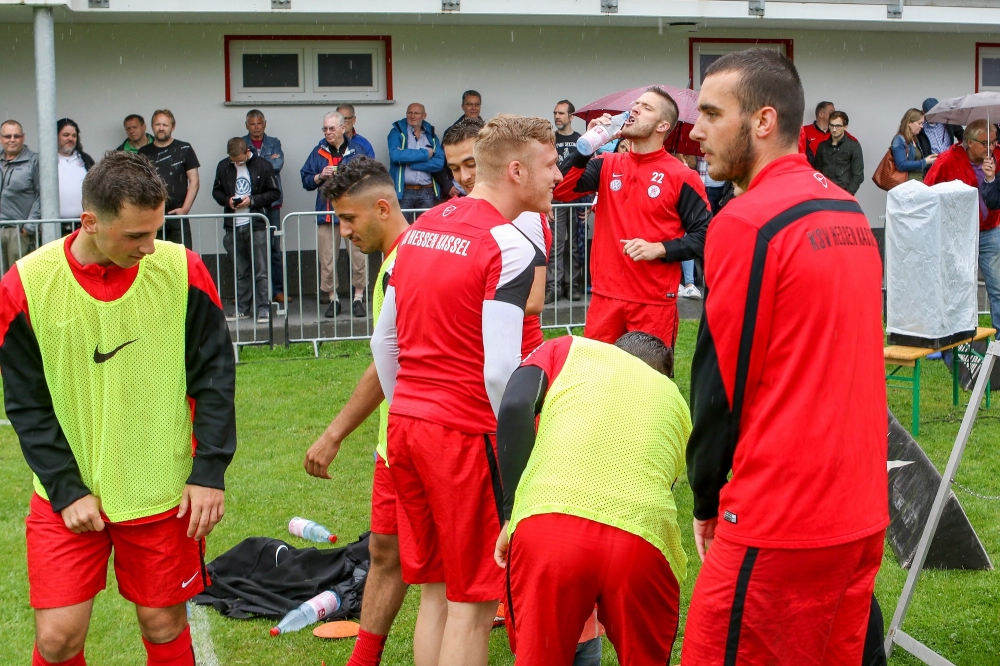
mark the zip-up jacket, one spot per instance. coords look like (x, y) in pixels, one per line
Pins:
(787, 380)
(20, 190)
(320, 158)
(400, 156)
(652, 196)
(843, 163)
(211, 378)
(263, 189)
(810, 136)
(954, 164)
(270, 146)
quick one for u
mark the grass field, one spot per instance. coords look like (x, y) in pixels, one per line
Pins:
(285, 398)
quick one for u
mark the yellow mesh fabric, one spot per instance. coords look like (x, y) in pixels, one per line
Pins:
(378, 296)
(127, 418)
(610, 443)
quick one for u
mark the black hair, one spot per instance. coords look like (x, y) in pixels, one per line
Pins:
(63, 122)
(842, 116)
(466, 128)
(648, 349)
(134, 116)
(356, 177)
(471, 93)
(569, 104)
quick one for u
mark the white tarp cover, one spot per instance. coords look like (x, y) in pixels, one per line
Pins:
(931, 255)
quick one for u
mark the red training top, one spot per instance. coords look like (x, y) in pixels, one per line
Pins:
(455, 257)
(788, 381)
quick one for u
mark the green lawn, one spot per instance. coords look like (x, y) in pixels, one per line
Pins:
(286, 398)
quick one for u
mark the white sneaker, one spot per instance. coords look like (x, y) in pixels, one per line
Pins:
(691, 292)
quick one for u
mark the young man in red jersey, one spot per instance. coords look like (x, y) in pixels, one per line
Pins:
(787, 391)
(129, 443)
(652, 213)
(462, 263)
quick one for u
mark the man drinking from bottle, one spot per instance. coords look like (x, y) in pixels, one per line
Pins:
(652, 213)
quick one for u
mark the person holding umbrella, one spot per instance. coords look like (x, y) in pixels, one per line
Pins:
(654, 213)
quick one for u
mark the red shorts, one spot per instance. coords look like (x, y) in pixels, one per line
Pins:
(448, 486)
(772, 606)
(156, 564)
(387, 520)
(559, 566)
(610, 318)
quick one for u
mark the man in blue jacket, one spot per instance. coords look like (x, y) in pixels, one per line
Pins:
(414, 155)
(335, 149)
(269, 147)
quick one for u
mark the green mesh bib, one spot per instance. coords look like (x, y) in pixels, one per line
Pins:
(378, 297)
(117, 377)
(590, 462)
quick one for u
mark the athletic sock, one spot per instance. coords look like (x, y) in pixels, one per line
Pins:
(177, 652)
(367, 650)
(38, 660)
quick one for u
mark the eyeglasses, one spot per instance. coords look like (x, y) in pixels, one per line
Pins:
(984, 143)
(331, 129)
(11, 136)
(832, 126)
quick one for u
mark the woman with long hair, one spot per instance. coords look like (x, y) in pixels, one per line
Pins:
(905, 151)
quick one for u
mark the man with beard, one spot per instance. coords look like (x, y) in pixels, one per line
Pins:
(652, 214)
(793, 312)
(177, 165)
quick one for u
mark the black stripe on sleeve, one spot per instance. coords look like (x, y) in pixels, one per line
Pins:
(522, 401)
(739, 603)
(695, 216)
(518, 290)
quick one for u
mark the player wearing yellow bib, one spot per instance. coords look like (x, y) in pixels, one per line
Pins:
(364, 197)
(589, 510)
(119, 380)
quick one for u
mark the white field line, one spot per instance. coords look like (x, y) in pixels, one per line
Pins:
(201, 636)
(4, 422)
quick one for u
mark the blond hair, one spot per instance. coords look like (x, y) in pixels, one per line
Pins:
(164, 112)
(505, 139)
(976, 130)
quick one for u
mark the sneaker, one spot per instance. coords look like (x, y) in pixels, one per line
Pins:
(263, 314)
(550, 296)
(691, 292)
(333, 310)
(358, 308)
(234, 315)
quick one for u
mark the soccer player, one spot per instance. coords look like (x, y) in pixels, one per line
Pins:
(787, 391)
(126, 416)
(459, 144)
(447, 341)
(590, 516)
(364, 197)
(652, 215)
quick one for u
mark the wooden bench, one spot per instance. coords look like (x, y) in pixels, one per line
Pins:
(899, 357)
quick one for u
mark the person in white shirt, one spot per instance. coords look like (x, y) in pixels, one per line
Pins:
(73, 167)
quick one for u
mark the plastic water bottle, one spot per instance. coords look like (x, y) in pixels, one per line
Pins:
(308, 529)
(310, 612)
(594, 138)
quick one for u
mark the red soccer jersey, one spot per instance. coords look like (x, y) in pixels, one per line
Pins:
(455, 257)
(787, 381)
(535, 227)
(652, 196)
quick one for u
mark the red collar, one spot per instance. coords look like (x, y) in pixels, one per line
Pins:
(105, 283)
(782, 165)
(642, 158)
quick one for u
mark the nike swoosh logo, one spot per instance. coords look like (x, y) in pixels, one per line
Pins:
(617, 175)
(101, 358)
(189, 581)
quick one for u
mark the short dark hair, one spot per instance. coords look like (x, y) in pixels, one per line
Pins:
(356, 177)
(649, 349)
(236, 146)
(569, 104)
(134, 116)
(842, 116)
(122, 178)
(766, 78)
(821, 106)
(345, 105)
(254, 113)
(672, 112)
(63, 122)
(471, 93)
(466, 128)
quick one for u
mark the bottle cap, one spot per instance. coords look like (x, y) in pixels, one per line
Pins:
(275, 631)
(333, 538)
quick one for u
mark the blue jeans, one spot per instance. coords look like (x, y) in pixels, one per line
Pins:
(416, 199)
(989, 266)
(687, 272)
(589, 653)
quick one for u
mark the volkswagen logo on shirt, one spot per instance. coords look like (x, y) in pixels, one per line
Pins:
(616, 185)
(242, 186)
(653, 191)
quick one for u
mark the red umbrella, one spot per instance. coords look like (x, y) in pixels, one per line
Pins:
(679, 140)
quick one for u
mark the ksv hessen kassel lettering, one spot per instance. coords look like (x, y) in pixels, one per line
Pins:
(435, 241)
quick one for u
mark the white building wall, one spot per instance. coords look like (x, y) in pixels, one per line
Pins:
(106, 71)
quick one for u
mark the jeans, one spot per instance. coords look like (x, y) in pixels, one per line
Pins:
(177, 231)
(589, 653)
(989, 266)
(687, 272)
(249, 255)
(419, 199)
(565, 268)
(714, 194)
(277, 272)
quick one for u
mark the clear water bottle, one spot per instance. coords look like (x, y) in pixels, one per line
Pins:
(311, 612)
(308, 529)
(594, 138)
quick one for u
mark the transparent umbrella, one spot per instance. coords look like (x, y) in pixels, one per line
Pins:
(964, 110)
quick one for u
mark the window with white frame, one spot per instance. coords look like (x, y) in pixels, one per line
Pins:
(989, 68)
(705, 52)
(305, 70)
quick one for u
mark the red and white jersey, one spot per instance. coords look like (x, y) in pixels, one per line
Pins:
(535, 226)
(456, 257)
